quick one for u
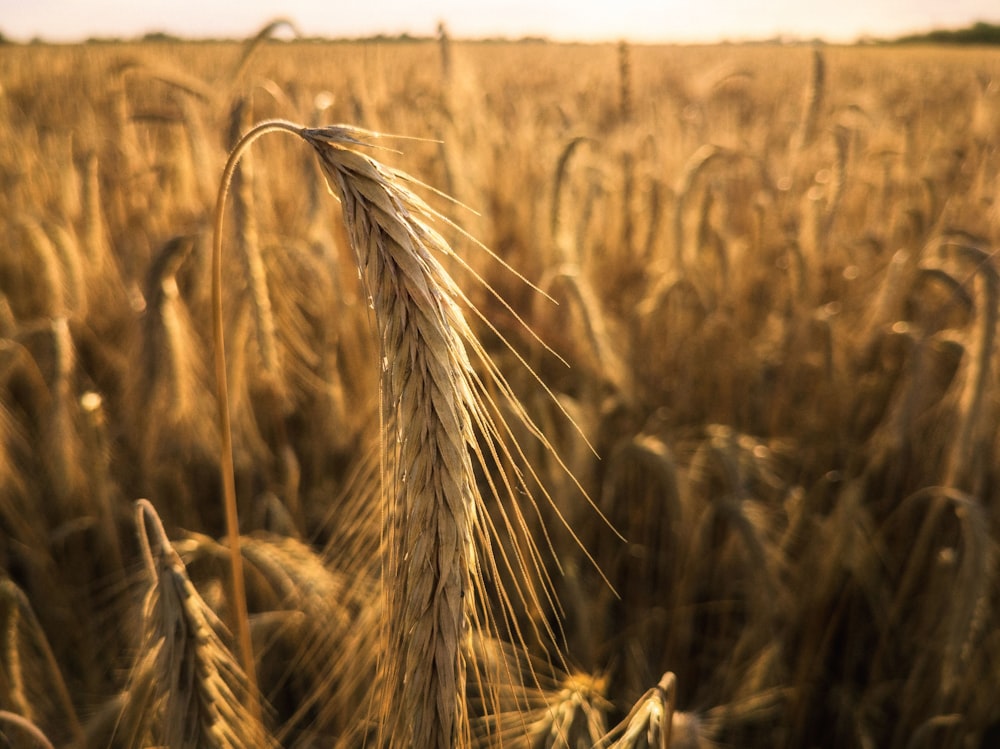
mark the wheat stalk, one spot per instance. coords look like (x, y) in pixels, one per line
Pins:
(814, 95)
(254, 268)
(26, 727)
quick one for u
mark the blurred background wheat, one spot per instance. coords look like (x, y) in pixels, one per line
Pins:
(767, 285)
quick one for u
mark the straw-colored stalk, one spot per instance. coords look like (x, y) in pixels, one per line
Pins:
(624, 82)
(26, 727)
(248, 241)
(814, 95)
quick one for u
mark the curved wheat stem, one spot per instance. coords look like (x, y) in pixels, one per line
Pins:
(26, 727)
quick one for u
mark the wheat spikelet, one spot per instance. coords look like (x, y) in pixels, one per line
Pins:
(841, 140)
(200, 154)
(727, 471)
(554, 711)
(251, 45)
(319, 667)
(963, 620)
(169, 365)
(576, 718)
(248, 242)
(444, 48)
(699, 161)
(130, 719)
(31, 684)
(964, 465)
(47, 298)
(814, 96)
(567, 251)
(335, 648)
(601, 363)
(963, 469)
(650, 722)
(169, 391)
(75, 291)
(202, 688)
(641, 494)
(624, 82)
(62, 439)
(18, 370)
(101, 270)
(95, 239)
(572, 716)
(654, 211)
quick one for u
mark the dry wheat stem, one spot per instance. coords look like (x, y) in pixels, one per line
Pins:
(241, 618)
(25, 726)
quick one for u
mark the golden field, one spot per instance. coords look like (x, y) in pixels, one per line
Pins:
(747, 295)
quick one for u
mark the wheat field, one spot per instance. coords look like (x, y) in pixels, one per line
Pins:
(577, 396)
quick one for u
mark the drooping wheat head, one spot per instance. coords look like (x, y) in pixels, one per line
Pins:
(442, 425)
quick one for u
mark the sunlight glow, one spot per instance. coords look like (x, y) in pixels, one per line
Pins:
(560, 20)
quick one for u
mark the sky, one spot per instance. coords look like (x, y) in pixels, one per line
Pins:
(683, 21)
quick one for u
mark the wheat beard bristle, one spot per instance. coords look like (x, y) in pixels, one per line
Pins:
(425, 395)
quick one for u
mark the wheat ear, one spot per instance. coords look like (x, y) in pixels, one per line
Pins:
(427, 388)
(21, 634)
(426, 379)
(203, 688)
(435, 404)
(649, 724)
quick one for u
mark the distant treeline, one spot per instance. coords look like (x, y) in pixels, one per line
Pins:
(977, 33)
